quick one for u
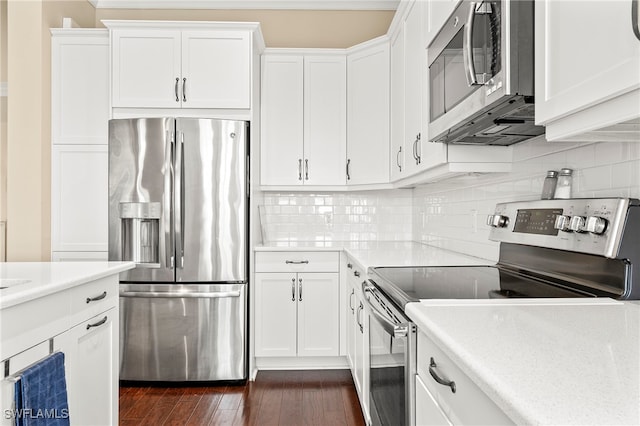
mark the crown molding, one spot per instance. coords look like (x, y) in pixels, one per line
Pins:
(248, 4)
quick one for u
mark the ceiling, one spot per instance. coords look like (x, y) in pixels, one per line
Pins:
(248, 4)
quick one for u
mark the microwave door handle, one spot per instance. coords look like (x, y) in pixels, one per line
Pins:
(635, 18)
(467, 46)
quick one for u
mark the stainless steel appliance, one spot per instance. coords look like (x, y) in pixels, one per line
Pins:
(178, 208)
(481, 75)
(548, 249)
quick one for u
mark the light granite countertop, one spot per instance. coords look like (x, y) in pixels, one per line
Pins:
(569, 362)
(383, 253)
(26, 281)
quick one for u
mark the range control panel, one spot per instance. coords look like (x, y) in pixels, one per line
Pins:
(586, 225)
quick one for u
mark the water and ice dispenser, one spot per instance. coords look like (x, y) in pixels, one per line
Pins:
(140, 227)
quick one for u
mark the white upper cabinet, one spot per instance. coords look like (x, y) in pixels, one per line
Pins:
(79, 86)
(169, 66)
(303, 128)
(435, 15)
(397, 154)
(587, 70)
(368, 113)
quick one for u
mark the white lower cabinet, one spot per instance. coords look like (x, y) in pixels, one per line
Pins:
(91, 362)
(297, 314)
(437, 403)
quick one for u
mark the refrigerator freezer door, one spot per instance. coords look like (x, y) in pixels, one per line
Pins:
(172, 332)
(211, 200)
(140, 181)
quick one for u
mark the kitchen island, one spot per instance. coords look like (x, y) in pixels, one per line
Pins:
(70, 307)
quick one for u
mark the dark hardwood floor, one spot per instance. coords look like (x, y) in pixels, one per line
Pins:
(318, 397)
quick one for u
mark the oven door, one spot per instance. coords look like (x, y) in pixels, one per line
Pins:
(392, 342)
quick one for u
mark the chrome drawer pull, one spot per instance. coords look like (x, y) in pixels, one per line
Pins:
(451, 384)
(97, 324)
(356, 273)
(94, 299)
(293, 289)
(296, 262)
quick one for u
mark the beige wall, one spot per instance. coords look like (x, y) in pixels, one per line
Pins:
(27, 164)
(281, 28)
(3, 113)
(28, 198)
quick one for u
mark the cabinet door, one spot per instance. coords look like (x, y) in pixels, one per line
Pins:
(414, 59)
(216, 69)
(282, 120)
(146, 68)
(428, 412)
(275, 314)
(318, 314)
(325, 120)
(79, 194)
(397, 107)
(368, 112)
(91, 364)
(577, 67)
(351, 328)
(80, 87)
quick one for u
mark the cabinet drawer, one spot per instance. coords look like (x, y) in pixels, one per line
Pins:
(93, 298)
(297, 261)
(469, 404)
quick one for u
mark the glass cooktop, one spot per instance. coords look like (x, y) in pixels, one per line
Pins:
(405, 285)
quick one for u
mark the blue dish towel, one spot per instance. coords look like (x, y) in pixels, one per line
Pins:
(41, 394)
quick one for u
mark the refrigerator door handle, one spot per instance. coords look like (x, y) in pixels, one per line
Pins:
(179, 295)
(169, 238)
(179, 203)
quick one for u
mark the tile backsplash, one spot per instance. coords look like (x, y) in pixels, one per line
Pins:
(338, 216)
(452, 214)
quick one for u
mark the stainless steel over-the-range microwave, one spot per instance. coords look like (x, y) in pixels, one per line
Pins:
(481, 75)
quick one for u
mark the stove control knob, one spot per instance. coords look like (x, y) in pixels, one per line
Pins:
(596, 225)
(497, 220)
(562, 223)
(577, 224)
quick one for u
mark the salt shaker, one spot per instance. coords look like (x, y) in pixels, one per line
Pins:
(549, 185)
(563, 187)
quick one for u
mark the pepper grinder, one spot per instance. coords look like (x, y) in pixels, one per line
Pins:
(549, 185)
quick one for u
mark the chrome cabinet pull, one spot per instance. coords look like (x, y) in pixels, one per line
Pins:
(184, 89)
(398, 159)
(349, 265)
(176, 89)
(300, 289)
(348, 163)
(97, 324)
(306, 169)
(296, 262)
(299, 169)
(94, 299)
(432, 366)
(360, 308)
(353, 293)
(634, 18)
(293, 289)
(418, 156)
(356, 273)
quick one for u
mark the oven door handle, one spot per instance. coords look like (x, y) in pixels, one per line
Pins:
(399, 331)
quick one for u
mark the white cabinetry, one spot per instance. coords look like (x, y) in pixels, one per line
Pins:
(397, 152)
(82, 322)
(587, 82)
(357, 333)
(199, 65)
(436, 14)
(437, 403)
(368, 113)
(297, 304)
(303, 132)
(79, 160)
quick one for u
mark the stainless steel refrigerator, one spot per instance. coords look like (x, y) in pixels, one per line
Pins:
(178, 209)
